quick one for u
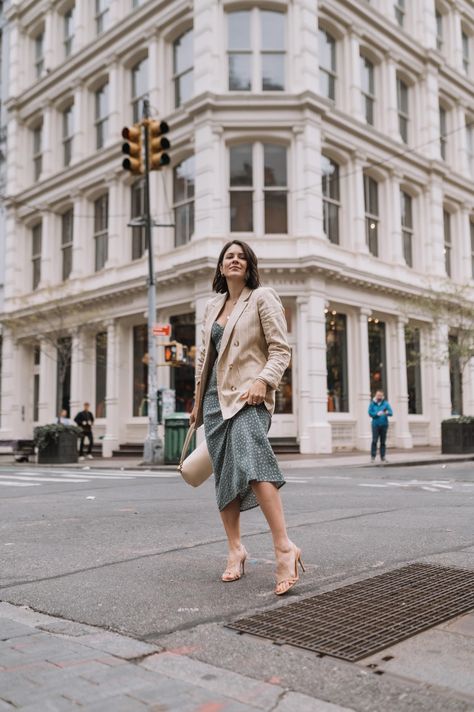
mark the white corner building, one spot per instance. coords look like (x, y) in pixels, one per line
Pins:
(336, 137)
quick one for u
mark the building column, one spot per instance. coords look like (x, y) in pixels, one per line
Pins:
(434, 236)
(455, 27)
(51, 33)
(314, 428)
(81, 123)
(304, 42)
(395, 213)
(459, 140)
(207, 61)
(82, 231)
(310, 179)
(115, 229)
(50, 141)
(429, 121)
(465, 247)
(210, 187)
(12, 408)
(357, 207)
(156, 59)
(389, 91)
(440, 408)
(82, 23)
(364, 436)
(49, 245)
(47, 382)
(403, 434)
(111, 437)
(117, 91)
(353, 101)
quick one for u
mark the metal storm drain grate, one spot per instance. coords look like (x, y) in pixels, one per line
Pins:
(358, 620)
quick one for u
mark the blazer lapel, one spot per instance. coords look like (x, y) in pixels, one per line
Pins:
(236, 312)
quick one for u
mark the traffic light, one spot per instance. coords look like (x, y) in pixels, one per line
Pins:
(158, 144)
(175, 353)
(132, 148)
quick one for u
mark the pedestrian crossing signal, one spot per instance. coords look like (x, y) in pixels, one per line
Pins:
(175, 353)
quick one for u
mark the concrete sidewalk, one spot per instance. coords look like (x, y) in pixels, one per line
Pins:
(49, 664)
(395, 458)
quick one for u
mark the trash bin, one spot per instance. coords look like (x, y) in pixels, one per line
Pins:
(176, 427)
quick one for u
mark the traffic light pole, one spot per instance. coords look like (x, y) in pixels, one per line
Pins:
(153, 445)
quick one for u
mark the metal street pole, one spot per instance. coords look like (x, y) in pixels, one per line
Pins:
(153, 445)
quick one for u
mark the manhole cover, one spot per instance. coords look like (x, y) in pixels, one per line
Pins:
(358, 620)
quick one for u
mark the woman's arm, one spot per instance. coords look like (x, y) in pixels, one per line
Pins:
(272, 319)
(201, 355)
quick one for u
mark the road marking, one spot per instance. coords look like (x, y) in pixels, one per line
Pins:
(34, 478)
(6, 483)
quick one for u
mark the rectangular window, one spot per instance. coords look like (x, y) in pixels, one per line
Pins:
(407, 227)
(439, 31)
(240, 51)
(101, 115)
(465, 52)
(368, 89)
(399, 7)
(37, 240)
(443, 140)
(100, 374)
(101, 226)
(241, 188)
(39, 54)
(138, 211)
(331, 199)
(37, 152)
(455, 375)
(371, 201)
(139, 89)
(377, 356)
(327, 64)
(101, 15)
(67, 227)
(336, 362)
(447, 242)
(69, 32)
(183, 201)
(36, 382)
(183, 59)
(413, 360)
(403, 115)
(140, 370)
(275, 189)
(68, 133)
(272, 27)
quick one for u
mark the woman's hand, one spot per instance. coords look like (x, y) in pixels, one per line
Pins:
(256, 393)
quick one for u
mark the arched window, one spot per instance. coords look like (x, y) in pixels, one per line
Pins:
(183, 59)
(331, 199)
(327, 64)
(368, 89)
(403, 109)
(372, 218)
(406, 205)
(183, 201)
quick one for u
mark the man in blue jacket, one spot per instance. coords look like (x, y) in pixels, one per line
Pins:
(379, 411)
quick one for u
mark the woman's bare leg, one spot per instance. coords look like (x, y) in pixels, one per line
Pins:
(230, 516)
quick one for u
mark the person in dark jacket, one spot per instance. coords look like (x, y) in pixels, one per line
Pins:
(379, 411)
(85, 420)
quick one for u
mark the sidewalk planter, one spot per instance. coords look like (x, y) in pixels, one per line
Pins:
(56, 443)
(457, 435)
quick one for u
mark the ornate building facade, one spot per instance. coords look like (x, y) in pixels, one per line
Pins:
(336, 137)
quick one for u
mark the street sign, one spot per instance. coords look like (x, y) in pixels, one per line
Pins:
(161, 329)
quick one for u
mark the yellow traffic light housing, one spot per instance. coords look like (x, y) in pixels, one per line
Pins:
(158, 144)
(132, 148)
(176, 354)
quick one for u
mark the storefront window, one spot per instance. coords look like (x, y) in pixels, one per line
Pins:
(100, 374)
(377, 356)
(182, 377)
(140, 370)
(412, 345)
(284, 394)
(336, 362)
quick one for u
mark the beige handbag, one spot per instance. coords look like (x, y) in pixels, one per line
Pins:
(196, 468)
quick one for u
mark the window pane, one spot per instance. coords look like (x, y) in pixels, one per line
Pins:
(327, 85)
(336, 363)
(406, 206)
(67, 262)
(239, 30)
(241, 173)
(100, 374)
(331, 221)
(377, 357)
(272, 25)
(184, 180)
(276, 212)
(241, 219)
(408, 247)
(140, 370)
(184, 222)
(275, 165)
(101, 102)
(371, 196)
(402, 96)
(140, 79)
(183, 53)
(330, 178)
(273, 72)
(367, 76)
(67, 227)
(240, 72)
(101, 245)
(327, 51)
(184, 87)
(413, 359)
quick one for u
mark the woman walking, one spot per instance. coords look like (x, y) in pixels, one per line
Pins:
(243, 355)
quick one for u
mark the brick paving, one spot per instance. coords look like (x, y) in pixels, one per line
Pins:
(51, 665)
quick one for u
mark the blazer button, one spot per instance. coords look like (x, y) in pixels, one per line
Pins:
(236, 343)
(231, 365)
(232, 388)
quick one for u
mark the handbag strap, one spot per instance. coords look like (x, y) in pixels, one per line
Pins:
(186, 444)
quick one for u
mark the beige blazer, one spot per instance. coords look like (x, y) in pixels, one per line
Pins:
(254, 345)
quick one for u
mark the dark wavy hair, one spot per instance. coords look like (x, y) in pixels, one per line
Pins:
(252, 279)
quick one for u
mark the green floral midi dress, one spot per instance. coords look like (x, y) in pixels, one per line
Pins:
(239, 447)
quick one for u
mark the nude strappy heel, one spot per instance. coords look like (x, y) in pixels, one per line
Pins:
(284, 585)
(234, 573)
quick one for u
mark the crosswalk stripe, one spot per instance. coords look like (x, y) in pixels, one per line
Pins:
(34, 478)
(19, 484)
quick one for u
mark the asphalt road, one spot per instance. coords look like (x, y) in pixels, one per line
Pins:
(142, 554)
